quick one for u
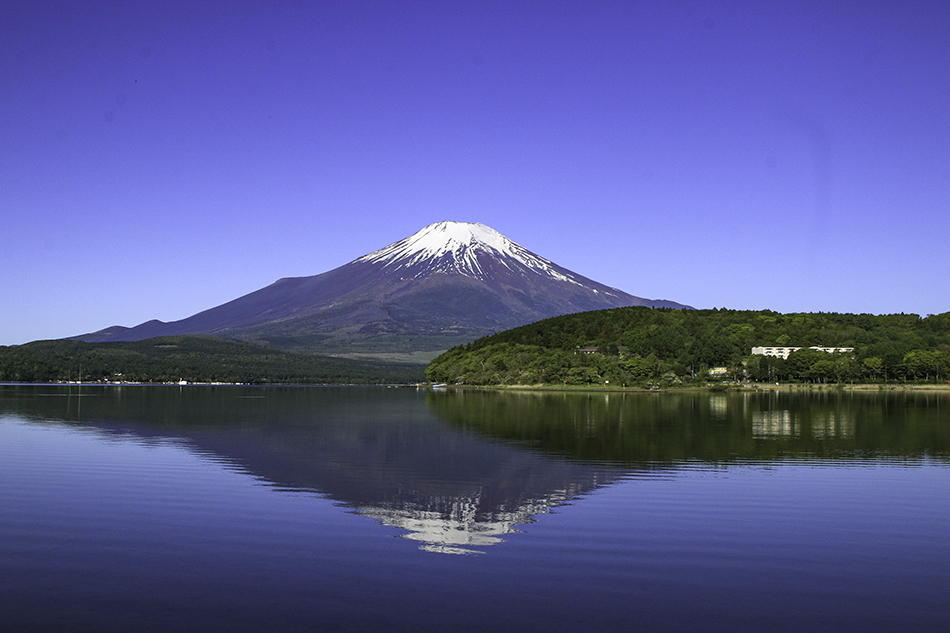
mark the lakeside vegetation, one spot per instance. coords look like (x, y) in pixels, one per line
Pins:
(635, 347)
(644, 347)
(190, 358)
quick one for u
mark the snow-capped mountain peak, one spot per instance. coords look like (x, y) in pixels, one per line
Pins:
(446, 285)
(457, 247)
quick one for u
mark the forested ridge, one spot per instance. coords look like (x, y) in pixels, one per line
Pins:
(665, 347)
(191, 358)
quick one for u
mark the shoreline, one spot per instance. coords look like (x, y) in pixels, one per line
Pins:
(730, 388)
(741, 388)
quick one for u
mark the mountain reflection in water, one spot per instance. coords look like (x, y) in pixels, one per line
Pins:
(457, 470)
(375, 451)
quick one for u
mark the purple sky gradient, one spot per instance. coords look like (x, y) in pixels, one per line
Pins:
(158, 159)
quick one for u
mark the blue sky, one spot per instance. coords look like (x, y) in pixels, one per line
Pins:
(158, 159)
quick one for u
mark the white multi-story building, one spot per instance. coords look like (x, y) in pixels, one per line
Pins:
(783, 352)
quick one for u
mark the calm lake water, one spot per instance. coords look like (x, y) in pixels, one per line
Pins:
(369, 509)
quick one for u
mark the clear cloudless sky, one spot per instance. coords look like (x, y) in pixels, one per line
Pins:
(161, 158)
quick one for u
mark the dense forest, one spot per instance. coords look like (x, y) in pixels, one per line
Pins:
(641, 346)
(191, 358)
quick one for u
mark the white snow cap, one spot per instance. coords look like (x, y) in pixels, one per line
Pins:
(462, 242)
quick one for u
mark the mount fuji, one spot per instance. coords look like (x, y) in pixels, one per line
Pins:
(448, 284)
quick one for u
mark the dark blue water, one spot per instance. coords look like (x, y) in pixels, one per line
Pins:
(346, 509)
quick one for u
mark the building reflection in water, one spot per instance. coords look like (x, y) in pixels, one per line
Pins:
(718, 406)
(822, 424)
(771, 424)
(832, 424)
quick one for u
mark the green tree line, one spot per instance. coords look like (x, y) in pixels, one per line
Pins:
(191, 358)
(644, 346)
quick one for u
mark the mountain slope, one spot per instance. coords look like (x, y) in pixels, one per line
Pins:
(449, 283)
